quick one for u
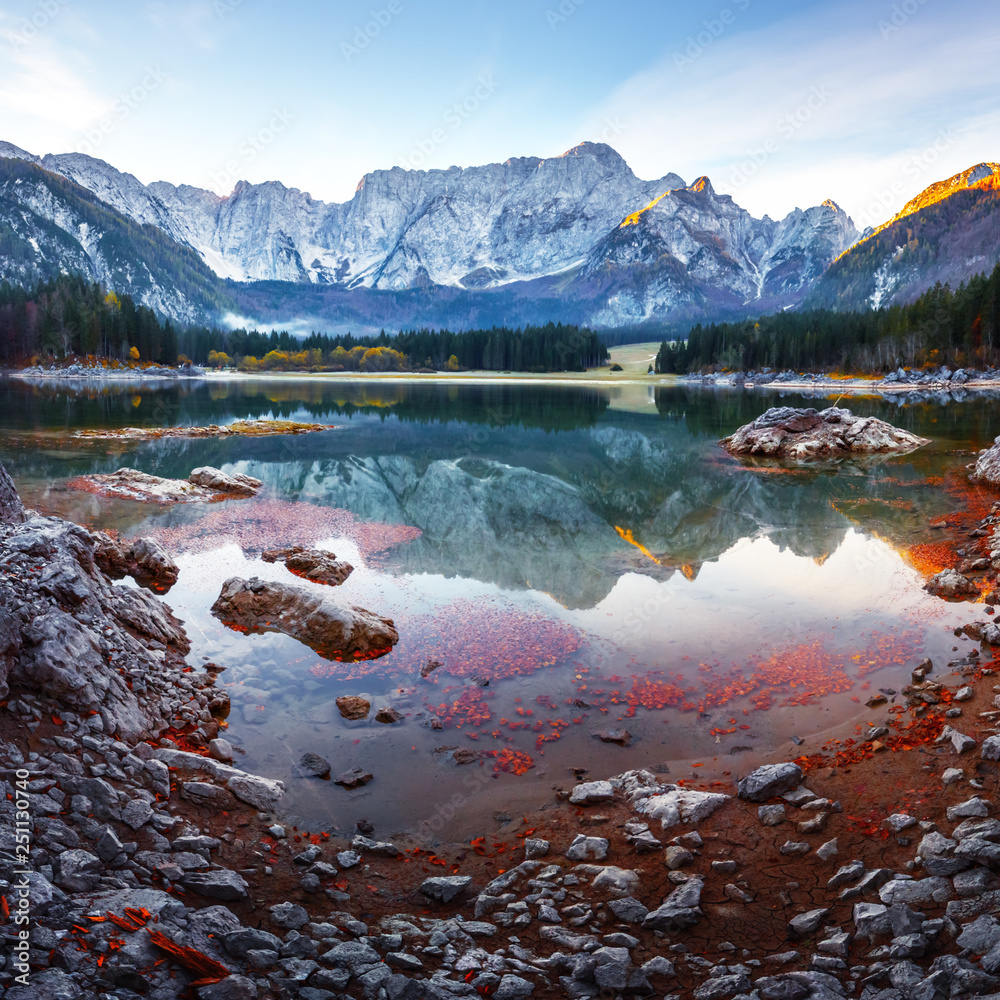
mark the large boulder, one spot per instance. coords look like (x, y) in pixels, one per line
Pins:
(988, 463)
(66, 633)
(805, 434)
(11, 508)
(333, 629)
(204, 485)
(145, 560)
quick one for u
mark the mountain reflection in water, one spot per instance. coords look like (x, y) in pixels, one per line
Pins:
(610, 511)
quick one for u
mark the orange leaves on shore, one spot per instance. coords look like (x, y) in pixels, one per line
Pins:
(930, 558)
(485, 639)
(207, 969)
(919, 731)
(259, 524)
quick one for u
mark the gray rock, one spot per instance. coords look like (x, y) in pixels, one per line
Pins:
(991, 748)
(676, 857)
(804, 924)
(108, 846)
(11, 508)
(973, 808)
(850, 872)
(722, 986)
(926, 890)
(314, 765)
(78, 871)
(679, 910)
(871, 920)
(513, 988)
(535, 848)
(771, 815)
(959, 741)
(591, 792)
(288, 916)
(239, 943)
(445, 888)
(230, 988)
(221, 750)
(628, 910)
(220, 884)
(318, 620)
(768, 781)
(136, 813)
(586, 848)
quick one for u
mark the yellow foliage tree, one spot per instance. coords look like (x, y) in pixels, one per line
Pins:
(452, 364)
(134, 354)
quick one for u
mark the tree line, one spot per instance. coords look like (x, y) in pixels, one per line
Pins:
(943, 326)
(67, 316)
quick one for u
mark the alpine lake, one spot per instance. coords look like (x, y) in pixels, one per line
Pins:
(579, 559)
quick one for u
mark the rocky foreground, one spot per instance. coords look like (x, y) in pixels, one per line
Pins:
(141, 862)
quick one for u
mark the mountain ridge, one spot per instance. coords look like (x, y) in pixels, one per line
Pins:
(576, 237)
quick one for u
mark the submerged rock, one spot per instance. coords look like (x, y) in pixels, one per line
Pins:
(203, 485)
(333, 629)
(787, 432)
(312, 564)
(312, 763)
(355, 778)
(353, 708)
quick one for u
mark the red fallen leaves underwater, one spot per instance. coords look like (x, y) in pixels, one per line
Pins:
(802, 673)
(259, 524)
(485, 639)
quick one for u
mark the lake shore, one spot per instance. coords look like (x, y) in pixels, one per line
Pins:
(807, 880)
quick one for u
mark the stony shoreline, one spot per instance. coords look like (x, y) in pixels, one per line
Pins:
(155, 864)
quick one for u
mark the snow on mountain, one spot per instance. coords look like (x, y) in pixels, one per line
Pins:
(691, 248)
(640, 249)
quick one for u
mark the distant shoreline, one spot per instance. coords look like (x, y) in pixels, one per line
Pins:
(601, 377)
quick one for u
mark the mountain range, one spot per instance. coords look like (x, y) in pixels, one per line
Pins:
(577, 238)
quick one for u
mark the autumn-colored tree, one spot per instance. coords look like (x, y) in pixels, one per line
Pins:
(452, 364)
(133, 354)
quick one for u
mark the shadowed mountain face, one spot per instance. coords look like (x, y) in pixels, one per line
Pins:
(523, 487)
(948, 233)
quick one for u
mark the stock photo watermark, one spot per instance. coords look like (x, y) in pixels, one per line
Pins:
(714, 29)
(889, 198)
(899, 14)
(365, 34)
(45, 12)
(562, 13)
(223, 8)
(787, 126)
(454, 119)
(19, 894)
(250, 148)
(120, 111)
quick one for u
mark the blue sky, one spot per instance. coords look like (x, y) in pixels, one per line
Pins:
(782, 104)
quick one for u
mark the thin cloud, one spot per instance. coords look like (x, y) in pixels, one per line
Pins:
(766, 114)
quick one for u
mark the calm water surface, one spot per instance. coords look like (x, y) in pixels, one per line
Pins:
(591, 552)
